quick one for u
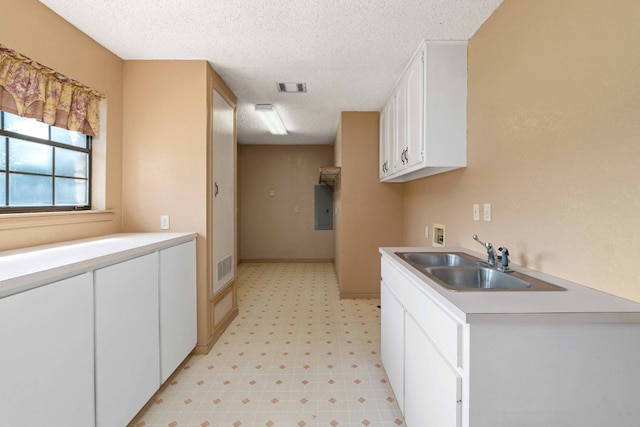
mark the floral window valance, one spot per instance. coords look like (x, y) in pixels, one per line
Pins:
(30, 89)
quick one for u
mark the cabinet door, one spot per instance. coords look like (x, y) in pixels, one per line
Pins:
(388, 137)
(392, 341)
(177, 306)
(432, 387)
(384, 144)
(127, 339)
(400, 126)
(46, 355)
(415, 75)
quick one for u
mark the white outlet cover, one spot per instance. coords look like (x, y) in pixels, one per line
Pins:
(476, 212)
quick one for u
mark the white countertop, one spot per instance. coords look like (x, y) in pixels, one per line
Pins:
(28, 268)
(577, 304)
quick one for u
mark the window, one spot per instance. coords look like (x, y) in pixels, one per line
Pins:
(42, 167)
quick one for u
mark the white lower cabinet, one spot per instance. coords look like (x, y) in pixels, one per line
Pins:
(504, 371)
(392, 335)
(177, 306)
(46, 355)
(92, 349)
(432, 388)
(127, 339)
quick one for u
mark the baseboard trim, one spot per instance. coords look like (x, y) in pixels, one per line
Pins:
(374, 295)
(206, 347)
(263, 261)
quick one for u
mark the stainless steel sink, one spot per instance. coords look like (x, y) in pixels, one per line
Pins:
(476, 278)
(458, 271)
(438, 259)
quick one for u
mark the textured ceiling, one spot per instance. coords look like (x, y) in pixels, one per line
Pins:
(349, 52)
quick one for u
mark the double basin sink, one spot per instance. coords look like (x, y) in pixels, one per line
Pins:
(458, 271)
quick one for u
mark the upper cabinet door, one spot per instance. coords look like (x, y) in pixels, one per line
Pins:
(415, 76)
(400, 105)
(387, 140)
(430, 102)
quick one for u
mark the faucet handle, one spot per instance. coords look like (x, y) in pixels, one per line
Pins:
(504, 258)
(486, 245)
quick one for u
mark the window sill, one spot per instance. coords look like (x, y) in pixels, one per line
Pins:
(44, 219)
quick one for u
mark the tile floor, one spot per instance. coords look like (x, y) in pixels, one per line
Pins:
(295, 356)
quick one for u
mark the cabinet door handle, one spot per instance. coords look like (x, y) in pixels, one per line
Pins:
(215, 194)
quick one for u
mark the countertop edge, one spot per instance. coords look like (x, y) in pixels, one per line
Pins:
(447, 300)
(25, 282)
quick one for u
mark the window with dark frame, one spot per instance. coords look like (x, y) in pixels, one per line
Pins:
(42, 168)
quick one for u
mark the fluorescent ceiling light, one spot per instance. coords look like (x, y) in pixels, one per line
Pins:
(270, 118)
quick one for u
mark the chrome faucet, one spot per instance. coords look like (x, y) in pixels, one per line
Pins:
(491, 254)
(504, 258)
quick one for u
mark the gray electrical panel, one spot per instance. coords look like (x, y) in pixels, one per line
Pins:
(323, 196)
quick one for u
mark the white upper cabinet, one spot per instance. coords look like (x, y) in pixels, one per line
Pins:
(387, 127)
(423, 123)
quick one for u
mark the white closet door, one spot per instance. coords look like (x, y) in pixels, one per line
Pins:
(223, 199)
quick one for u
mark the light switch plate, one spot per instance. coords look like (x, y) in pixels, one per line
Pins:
(476, 212)
(487, 212)
(164, 222)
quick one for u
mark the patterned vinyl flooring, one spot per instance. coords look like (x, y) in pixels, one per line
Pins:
(295, 356)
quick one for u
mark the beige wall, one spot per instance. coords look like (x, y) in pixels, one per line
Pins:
(167, 135)
(269, 226)
(165, 142)
(368, 213)
(35, 31)
(553, 143)
(337, 204)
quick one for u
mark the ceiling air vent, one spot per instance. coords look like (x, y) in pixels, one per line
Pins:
(292, 87)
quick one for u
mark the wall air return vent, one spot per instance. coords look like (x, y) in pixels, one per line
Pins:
(225, 267)
(292, 87)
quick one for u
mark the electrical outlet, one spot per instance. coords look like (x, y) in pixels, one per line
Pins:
(487, 212)
(438, 235)
(164, 222)
(476, 212)
(426, 231)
